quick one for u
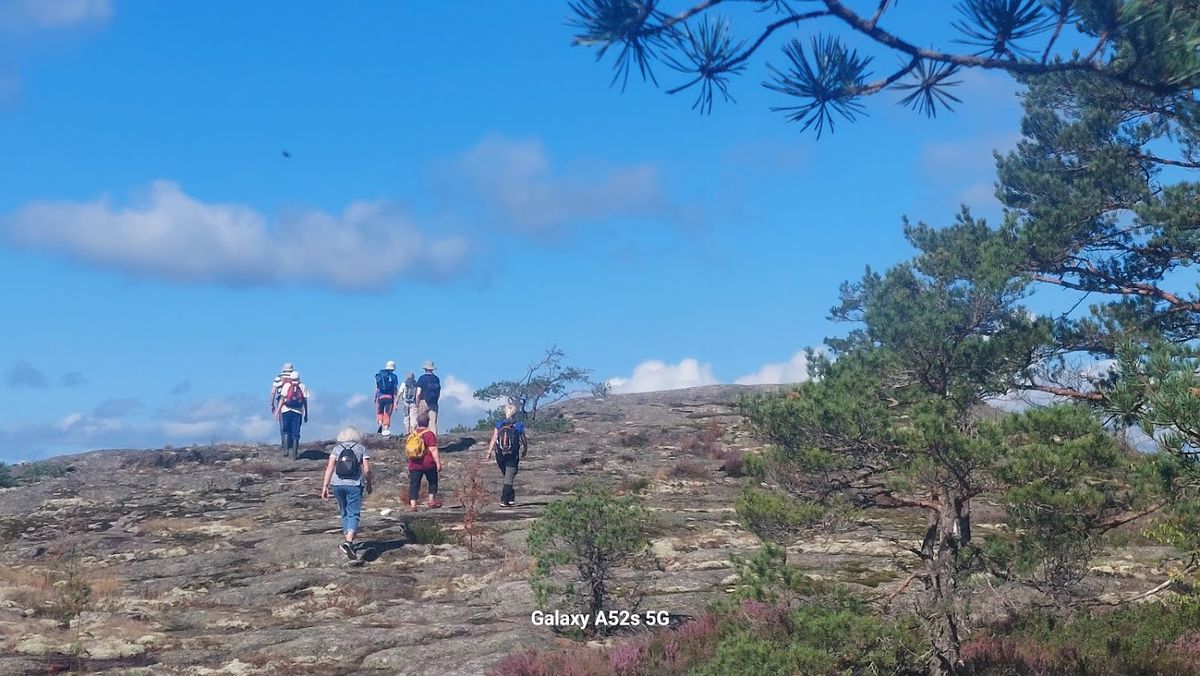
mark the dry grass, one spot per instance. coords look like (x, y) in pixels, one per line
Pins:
(688, 470)
(703, 443)
(59, 588)
(516, 565)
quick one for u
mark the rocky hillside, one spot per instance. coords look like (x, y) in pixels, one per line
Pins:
(223, 560)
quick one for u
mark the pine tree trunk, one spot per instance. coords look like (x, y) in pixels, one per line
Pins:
(949, 529)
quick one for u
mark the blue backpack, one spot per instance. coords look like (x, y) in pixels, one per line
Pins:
(386, 382)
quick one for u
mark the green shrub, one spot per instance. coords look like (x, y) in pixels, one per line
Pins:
(40, 471)
(765, 576)
(547, 423)
(426, 532)
(636, 485)
(6, 477)
(773, 515)
(579, 541)
(831, 632)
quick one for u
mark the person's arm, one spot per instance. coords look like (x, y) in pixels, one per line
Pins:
(492, 444)
(437, 459)
(524, 444)
(418, 397)
(367, 474)
(328, 477)
(306, 395)
(274, 389)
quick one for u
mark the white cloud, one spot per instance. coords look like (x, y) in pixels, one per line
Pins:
(461, 394)
(170, 235)
(654, 376)
(794, 370)
(512, 181)
(51, 14)
(357, 400)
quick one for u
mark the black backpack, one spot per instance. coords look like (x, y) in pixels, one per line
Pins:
(386, 382)
(508, 441)
(432, 391)
(347, 465)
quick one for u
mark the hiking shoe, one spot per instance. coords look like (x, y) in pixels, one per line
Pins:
(434, 504)
(348, 550)
(414, 508)
(387, 432)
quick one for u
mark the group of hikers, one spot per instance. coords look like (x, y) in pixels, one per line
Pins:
(348, 475)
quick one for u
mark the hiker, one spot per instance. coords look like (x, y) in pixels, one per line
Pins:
(387, 387)
(429, 388)
(423, 461)
(276, 386)
(408, 392)
(510, 445)
(348, 476)
(292, 410)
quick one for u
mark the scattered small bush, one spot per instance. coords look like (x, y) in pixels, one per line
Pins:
(552, 424)
(635, 485)
(6, 478)
(426, 532)
(734, 465)
(703, 443)
(636, 439)
(690, 470)
(773, 515)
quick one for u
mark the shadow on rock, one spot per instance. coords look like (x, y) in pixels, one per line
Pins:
(459, 445)
(313, 454)
(369, 550)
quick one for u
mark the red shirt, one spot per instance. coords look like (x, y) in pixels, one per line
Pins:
(426, 461)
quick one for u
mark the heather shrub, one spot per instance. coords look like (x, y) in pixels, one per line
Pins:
(1150, 638)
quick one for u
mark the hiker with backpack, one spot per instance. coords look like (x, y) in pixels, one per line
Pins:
(387, 389)
(423, 461)
(408, 392)
(291, 412)
(348, 477)
(429, 388)
(510, 445)
(276, 388)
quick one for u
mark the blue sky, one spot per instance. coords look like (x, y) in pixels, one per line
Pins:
(452, 164)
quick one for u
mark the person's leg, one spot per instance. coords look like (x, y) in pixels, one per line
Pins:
(284, 442)
(345, 499)
(386, 415)
(431, 475)
(354, 500)
(433, 419)
(510, 474)
(414, 487)
(379, 416)
(339, 494)
(292, 420)
(413, 411)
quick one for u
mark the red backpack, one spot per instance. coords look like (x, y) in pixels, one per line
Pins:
(293, 395)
